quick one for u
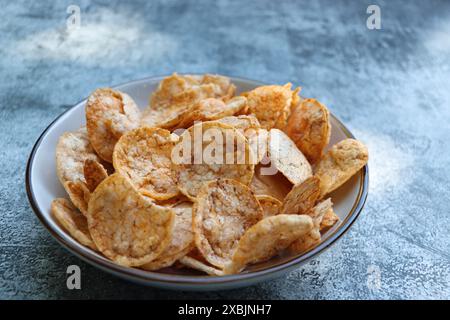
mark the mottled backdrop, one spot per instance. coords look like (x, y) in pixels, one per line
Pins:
(390, 86)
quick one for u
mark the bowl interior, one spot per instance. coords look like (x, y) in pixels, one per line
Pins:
(44, 185)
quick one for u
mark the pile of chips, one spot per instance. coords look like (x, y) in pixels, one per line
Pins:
(202, 178)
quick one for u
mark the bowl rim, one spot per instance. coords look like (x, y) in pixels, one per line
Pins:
(151, 277)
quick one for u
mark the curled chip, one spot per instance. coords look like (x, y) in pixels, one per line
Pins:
(267, 238)
(127, 227)
(200, 266)
(208, 151)
(286, 158)
(269, 205)
(94, 173)
(144, 156)
(275, 185)
(176, 95)
(72, 150)
(224, 210)
(271, 105)
(109, 114)
(309, 127)
(73, 221)
(302, 197)
(312, 238)
(330, 218)
(212, 109)
(249, 126)
(79, 194)
(182, 240)
(339, 164)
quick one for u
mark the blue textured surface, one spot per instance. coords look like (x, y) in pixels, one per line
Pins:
(390, 86)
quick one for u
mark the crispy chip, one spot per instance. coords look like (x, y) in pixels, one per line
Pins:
(212, 109)
(72, 150)
(200, 266)
(286, 158)
(267, 238)
(249, 126)
(225, 153)
(271, 105)
(275, 185)
(109, 115)
(144, 156)
(339, 164)
(309, 127)
(223, 211)
(79, 194)
(182, 239)
(330, 218)
(73, 221)
(176, 95)
(94, 173)
(312, 238)
(302, 197)
(270, 205)
(127, 227)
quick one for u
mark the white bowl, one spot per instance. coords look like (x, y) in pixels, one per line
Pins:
(43, 186)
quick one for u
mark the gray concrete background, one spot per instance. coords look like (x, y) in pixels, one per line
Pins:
(390, 86)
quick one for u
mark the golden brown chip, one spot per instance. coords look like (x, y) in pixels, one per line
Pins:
(312, 238)
(270, 205)
(79, 194)
(329, 220)
(339, 164)
(212, 109)
(94, 173)
(182, 240)
(144, 156)
(271, 105)
(175, 96)
(302, 197)
(72, 150)
(267, 238)
(73, 221)
(242, 122)
(200, 266)
(276, 185)
(223, 211)
(109, 115)
(127, 227)
(286, 158)
(211, 150)
(309, 127)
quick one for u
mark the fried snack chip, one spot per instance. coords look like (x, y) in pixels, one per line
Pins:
(339, 164)
(200, 266)
(249, 126)
(330, 218)
(312, 238)
(302, 197)
(94, 173)
(72, 150)
(144, 155)
(109, 115)
(224, 210)
(270, 205)
(224, 153)
(309, 127)
(271, 105)
(127, 227)
(176, 95)
(79, 194)
(212, 109)
(267, 238)
(286, 158)
(182, 239)
(275, 185)
(73, 221)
